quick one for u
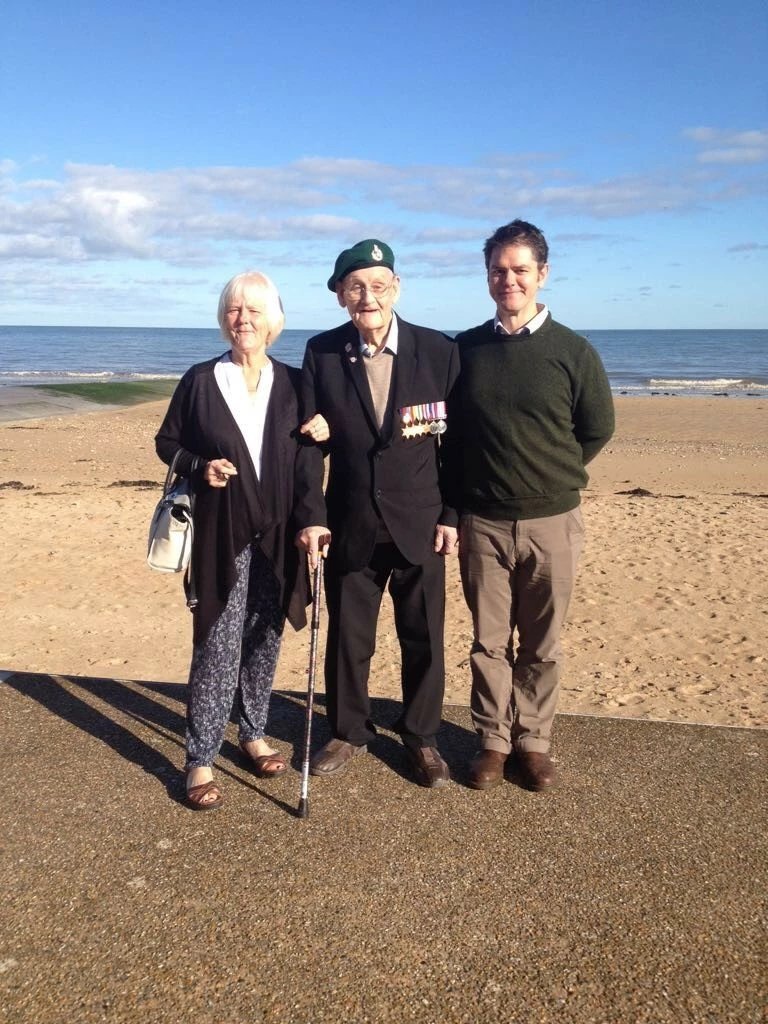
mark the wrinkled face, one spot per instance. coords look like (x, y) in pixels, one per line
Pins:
(514, 278)
(245, 321)
(368, 296)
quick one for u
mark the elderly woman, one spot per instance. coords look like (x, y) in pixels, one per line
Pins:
(235, 421)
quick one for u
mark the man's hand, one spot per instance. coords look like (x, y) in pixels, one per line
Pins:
(317, 428)
(446, 539)
(218, 472)
(311, 539)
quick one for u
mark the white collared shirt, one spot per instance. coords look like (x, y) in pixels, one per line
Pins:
(533, 324)
(390, 343)
(249, 412)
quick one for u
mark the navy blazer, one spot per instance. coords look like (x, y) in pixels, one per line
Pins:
(369, 471)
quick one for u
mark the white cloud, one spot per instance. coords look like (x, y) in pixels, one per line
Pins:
(728, 147)
(750, 138)
(734, 155)
(747, 247)
(442, 262)
(31, 246)
(451, 234)
(112, 222)
(192, 216)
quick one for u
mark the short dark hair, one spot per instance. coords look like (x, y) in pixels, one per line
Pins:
(518, 232)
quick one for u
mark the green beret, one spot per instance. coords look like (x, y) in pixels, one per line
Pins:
(368, 253)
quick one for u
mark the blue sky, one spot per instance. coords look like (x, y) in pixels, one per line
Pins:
(149, 151)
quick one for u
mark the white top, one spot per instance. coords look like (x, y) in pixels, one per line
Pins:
(533, 324)
(391, 342)
(249, 410)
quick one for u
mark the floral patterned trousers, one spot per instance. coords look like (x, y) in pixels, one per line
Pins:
(236, 662)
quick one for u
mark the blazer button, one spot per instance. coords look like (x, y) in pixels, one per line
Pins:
(378, 492)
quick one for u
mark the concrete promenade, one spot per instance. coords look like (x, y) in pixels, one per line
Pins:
(634, 894)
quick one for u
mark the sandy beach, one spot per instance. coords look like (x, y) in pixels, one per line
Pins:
(669, 619)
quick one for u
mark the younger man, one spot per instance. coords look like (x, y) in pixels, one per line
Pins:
(533, 407)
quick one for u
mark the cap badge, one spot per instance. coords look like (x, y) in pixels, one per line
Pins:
(376, 253)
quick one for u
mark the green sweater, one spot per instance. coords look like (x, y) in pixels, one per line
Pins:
(529, 412)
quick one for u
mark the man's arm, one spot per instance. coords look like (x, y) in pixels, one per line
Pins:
(451, 447)
(593, 417)
(309, 511)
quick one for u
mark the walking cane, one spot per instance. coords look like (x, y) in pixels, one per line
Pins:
(303, 811)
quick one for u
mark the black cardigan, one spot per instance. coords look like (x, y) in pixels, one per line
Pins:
(200, 423)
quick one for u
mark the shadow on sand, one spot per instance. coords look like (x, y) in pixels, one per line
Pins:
(108, 708)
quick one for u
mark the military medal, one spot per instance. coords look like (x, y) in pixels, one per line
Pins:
(423, 419)
(440, 417)
(416, 430)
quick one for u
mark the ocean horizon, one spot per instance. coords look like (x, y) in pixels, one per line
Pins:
(638, 362)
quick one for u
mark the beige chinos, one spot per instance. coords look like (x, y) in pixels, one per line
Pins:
(517, 575)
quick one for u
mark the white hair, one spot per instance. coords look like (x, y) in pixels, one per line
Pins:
(253, 279)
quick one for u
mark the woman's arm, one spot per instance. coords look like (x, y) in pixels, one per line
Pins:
(174, 430)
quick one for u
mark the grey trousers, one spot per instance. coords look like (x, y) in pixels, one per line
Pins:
(236, 662)
(517, 576)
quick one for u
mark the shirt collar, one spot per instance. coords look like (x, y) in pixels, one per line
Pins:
(530, 328)
(390, 344)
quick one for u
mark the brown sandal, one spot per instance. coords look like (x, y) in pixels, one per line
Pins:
(196, 797)
(260, 765)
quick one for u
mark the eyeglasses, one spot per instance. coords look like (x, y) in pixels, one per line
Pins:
(378, 289)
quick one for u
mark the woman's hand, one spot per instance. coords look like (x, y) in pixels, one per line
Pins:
(218, 471)
(317, 428)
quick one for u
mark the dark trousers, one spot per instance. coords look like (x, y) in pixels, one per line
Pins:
(353, 600)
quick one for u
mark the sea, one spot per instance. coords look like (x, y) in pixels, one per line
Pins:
(676, 362)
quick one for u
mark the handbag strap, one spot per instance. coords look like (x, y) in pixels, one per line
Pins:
(191, 588)
(170, 478)
(171, 475)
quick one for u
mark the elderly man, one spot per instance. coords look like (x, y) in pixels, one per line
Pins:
(533, 407)
(381, 385)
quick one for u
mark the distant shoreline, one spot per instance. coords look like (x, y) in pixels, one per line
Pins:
(688, 363)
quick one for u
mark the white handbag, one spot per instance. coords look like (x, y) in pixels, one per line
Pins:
(172, 529)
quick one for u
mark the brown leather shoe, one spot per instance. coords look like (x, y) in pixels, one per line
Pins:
(428, 767)
(536, 769)
(486, 769)
(335, 755)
